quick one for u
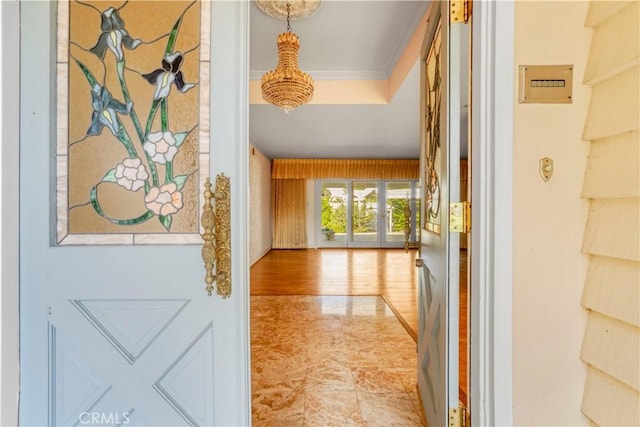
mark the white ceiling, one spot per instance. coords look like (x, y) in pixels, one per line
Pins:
(343, 40)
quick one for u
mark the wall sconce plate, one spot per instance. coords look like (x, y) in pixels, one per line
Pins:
(546, 168)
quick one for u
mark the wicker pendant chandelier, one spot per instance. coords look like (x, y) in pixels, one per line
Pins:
(287, 87)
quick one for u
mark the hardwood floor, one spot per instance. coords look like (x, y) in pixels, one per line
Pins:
(390, 273)
(463, 336)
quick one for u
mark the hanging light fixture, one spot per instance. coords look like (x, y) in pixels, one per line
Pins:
(287, 87)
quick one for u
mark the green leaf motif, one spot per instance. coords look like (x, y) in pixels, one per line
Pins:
(110, 176)
(180, 137)
(172, 37)
(166, 221)
(92, 80)
(180, 181)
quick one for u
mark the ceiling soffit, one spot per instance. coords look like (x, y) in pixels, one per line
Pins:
(374, 87)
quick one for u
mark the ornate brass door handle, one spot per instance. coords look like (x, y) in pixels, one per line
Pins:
(216, 236)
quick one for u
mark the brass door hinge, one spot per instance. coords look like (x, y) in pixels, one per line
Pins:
(459, 11)
(460, 217)
(458, 417)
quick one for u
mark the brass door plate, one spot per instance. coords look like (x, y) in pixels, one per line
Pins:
(546, 84)
(546, 168)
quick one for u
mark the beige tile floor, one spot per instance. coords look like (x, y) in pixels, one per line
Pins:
(331, 361)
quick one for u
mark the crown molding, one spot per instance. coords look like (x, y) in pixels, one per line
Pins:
(403, 41)
(333, 75)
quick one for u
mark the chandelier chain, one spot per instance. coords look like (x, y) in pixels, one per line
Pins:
(288, 17)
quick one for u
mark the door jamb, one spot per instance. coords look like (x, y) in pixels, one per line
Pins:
(492, 185)
(9, 215)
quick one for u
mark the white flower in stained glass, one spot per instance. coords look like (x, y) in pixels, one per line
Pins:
(131, 174)
(161, 147)
(165, 200)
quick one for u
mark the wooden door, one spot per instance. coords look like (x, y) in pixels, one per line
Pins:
(442, 111)
(126, 334)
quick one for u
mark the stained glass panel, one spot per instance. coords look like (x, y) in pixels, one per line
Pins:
(433, 152)
(132, 120)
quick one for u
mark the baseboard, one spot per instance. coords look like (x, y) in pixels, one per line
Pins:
(401, 319)
(266, 251)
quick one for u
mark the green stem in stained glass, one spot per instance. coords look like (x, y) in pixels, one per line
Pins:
(169, 172)
(152, 165)
(127, 99)
(125, 139)
(164, 120)
(93, 197)
(152, 115)
(164, 114)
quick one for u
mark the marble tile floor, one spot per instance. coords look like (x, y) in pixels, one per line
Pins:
(331, 361)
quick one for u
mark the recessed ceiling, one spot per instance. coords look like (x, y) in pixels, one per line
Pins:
(343, 40)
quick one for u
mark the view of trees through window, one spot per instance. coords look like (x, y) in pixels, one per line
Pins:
(364, 210)
(396, 208)
(334, 209)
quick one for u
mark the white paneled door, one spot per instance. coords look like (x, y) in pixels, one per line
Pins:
(443, 121)
(126, 334)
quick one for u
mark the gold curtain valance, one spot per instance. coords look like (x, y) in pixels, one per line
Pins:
(344, 169)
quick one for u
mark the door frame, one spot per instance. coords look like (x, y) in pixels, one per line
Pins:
(491, 352)
(9, 213)
(491, 391)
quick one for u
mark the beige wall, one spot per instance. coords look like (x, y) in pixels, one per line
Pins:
(260, 205)
(549, 220)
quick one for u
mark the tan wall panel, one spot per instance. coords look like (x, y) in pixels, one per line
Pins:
(613, 288)
(609, 402)
(548, 222)
(614, 106)
(613, 347)
(613, 228)
(611, 48)
(599, 11)
(612, 169)
(259, 205)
